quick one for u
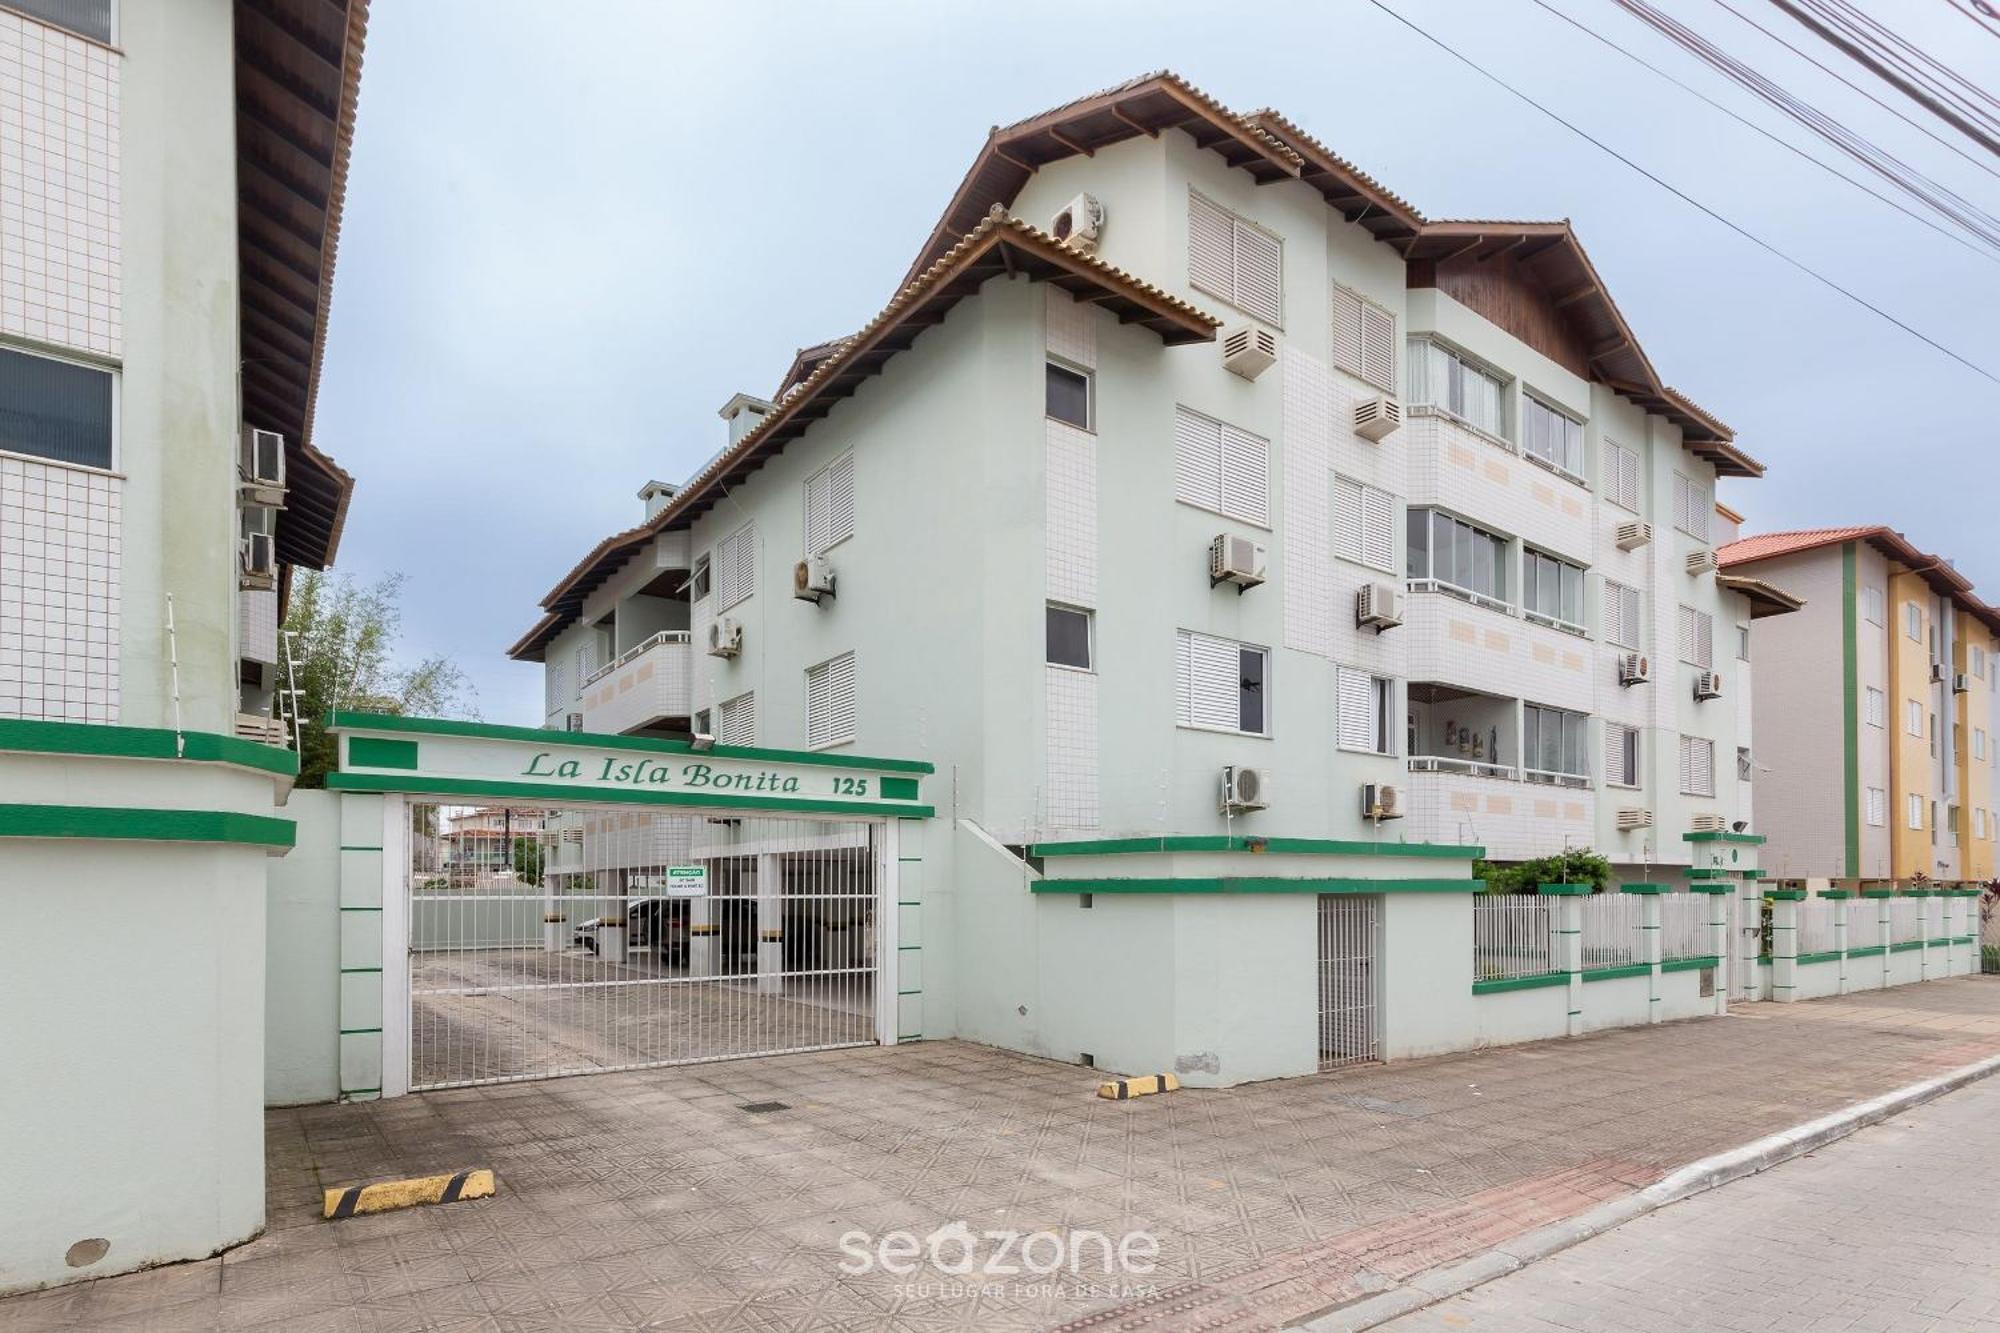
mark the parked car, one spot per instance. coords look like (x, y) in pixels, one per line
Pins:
(652, 925)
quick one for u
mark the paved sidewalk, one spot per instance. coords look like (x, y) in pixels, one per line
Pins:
(1890, 1229)
(653, 1199)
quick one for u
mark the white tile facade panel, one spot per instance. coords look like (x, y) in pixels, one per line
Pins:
(614, 841)
(1383, 465)
(59, 609)
(1462, 644)
(257, 624)
(59, 238)
(1454, 468)
(1072, 515)
(1072, 329)
(1309, 401)
(1070, 793)
(1512, 820)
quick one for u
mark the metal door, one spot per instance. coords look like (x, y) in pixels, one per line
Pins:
(1348, 928)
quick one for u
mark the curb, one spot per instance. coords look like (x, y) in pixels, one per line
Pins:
(1439, 1284)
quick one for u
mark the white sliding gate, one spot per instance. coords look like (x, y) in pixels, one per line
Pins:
(549, 941)
(1349, 926)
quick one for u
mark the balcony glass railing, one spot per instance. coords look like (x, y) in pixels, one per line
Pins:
(1554, 779)
(1446, 763)
(1504, 607)
(637, 651)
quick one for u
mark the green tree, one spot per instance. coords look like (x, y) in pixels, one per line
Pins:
(528, 860)
(344, 643)
(1577, 865)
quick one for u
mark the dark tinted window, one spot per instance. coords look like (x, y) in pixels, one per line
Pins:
(1069, 396)
(1250, 699)
(1069, 637)
(53, 409)
(88, 18)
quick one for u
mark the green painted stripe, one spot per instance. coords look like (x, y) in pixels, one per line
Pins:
(432, 726)
(346, 970)
(909, 992)
(1645, 888)
(1689, 964)
(363, 909)
(119, 823)
(1496, 985)
(1252, 884)
(358, 848)
(1221, 843)
(1616, 973)
(1943, 940)
(1724, 835)
(559, 795)
(1563, 890)
(357, 1092)
(381, 752)
(907, 859)
(1869, 952)
(98, 741)
(908, 948)
(1850, 711)
(1906, 946)
(1878, 893)
(1787, 895)
(1829, 956)
(898, 789)
(358, 1032)
(909, 902)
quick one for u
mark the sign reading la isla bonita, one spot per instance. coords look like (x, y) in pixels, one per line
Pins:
(693, 775)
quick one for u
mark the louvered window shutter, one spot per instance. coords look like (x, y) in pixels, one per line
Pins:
(1259, 273)
(1198, 459)
(1378, 347)
(830, 702)
(1211, 248)
(840, 503)
(1347, 337)
(1614, 753)
(1347, 518)
(1246, 481)
(1353, 697)
(1211, 674)
(736, 720)
(816, 513)
(1704, 767)
(1378, 529)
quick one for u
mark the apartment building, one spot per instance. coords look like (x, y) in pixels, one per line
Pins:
(1882, 771)
(171, 175)
(1196, 486)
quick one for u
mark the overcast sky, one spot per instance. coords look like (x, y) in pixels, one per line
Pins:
(568, 241)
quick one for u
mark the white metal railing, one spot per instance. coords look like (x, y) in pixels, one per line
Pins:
(1349, 924)
(1906, 920)
(1556, 623)
(1816, 932)
(1500, 442)
(1686, 929)
(1551, 778)
(1864, 924)
(1550, 465)
(1444, 763)
(637, 650)
(1505, 608)
(1513, 935)
(1612, 925)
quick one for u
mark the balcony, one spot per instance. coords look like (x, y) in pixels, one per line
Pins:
(1490, 481)
(1486, 646)
(1467, 783)
(645, 687)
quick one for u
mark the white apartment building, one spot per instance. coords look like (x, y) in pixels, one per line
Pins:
(1100, 516)
(171, 174)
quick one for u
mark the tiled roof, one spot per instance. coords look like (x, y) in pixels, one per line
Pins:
(1767, 545)
(1936, 571)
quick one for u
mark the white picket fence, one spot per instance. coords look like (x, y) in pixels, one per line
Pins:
(1513, 935)
(1685, 925)
(1816, 930)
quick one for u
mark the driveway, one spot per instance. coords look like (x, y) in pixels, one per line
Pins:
(681, 1199)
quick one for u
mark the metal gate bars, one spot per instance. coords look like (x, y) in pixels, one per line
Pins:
(545, 942)
(1347, 935)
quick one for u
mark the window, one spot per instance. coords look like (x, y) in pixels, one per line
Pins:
(1913, 717)
(87, 18)
(1979, 742)
(1697, 766)
(1871, 605)
(1069, 396)
(1621, 614)
(1913, 621)
(556, 692)
(1220, 468)
(1878, 708)
(1692, 507)
(56, 410)
(1235, 259)
(830, 702)
(1220, 684)
(1552, 589)
(1364, 524)
(1621, 755)
(1447, 381)
(573, 722)
(1364, 339)
(1915, 817)
(1366, 705)
(1978, 822)
(830, 505)
(1742, 643)
(698, 581)
(1621, 476)
(1978, 656)
(1553, 742)
(585, 662)
(736, 566)
(1697, 638)
(1068, 637)
(702, 723)
(1551, 436)
(1449, 551)
(737, 720)
(1743, 763)
(1878, 807)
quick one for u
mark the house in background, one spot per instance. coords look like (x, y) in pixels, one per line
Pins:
(1875, 709)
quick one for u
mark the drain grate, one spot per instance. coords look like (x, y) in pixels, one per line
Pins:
(764, 1108)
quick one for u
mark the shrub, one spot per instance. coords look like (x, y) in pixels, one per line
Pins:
(1578, 865)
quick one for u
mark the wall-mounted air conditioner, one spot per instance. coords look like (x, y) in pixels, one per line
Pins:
(1707, 685)
(260, 467)
(1377, 417)
(1701, 562)
(1708, 824)
(1633, 535)
(1380, 801)
(1244, 789)
(725, 637)
(812, 579)
(1380, 605)
(1236, 560)
(257, 559)
(1960, 684)
(1937, 673)
(1634, 669)
(1080, 224)
(1631, 817)
(1248, 350)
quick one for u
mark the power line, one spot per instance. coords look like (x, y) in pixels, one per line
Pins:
(1914, 57)
(1894, 78)
(1785, 144)
(1979, 7)
(1683, 196)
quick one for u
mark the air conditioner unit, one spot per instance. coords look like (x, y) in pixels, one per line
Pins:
(1960, 684)
(1380, 605)
(1701, 562)
(1377, 417)
(1708, 685)
(1080, 224)
(1634, 669)
(1937, 673)
(1633, 535)
(1236, 560)
(573, 722)
(1630, 817)
(1243, 789)
(257, 556)
(1248, 350)
(812, 579)
(260, 467)
(1381, 801)
(1708, 824)
(725, 638)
